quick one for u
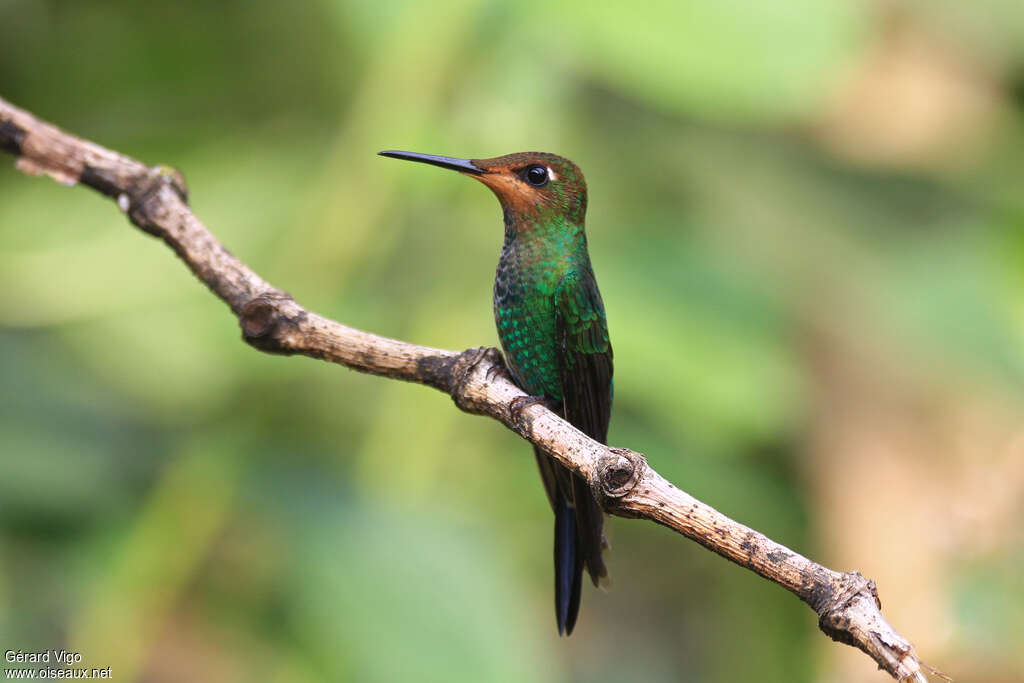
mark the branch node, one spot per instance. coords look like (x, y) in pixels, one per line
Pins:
(264, 323)
(619, 472)
(174, 178)
(142, 199)
(833, 611)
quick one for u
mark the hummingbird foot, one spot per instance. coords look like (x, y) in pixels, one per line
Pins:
(498, 370)
(459, 377)
(520, 403)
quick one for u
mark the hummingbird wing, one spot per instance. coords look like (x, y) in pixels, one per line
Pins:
(585, 366)
(585, 354)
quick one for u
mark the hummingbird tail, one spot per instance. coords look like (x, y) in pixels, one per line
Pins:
(590, 529)
(568, 567)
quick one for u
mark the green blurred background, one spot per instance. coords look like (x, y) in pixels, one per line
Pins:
(807, 219)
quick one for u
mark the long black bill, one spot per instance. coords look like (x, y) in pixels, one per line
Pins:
(455, 164)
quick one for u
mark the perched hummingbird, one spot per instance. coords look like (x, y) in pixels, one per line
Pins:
(552, 326)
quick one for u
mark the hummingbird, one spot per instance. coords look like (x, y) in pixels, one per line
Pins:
(552, 326)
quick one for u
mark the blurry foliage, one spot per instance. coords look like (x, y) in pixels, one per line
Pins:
(172, 502)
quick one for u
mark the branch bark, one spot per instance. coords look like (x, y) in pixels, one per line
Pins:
(156, 200)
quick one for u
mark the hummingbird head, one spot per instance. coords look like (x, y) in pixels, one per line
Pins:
(529, 185)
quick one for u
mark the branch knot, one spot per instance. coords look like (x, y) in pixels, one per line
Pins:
(834, 611)
(142, 202)
(263, 321)
(619, 472)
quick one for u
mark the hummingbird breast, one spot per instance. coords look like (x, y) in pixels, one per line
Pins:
(524, 312)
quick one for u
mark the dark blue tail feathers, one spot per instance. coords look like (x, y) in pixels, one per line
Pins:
(568, 567)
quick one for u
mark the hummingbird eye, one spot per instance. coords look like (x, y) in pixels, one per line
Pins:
(536, 175)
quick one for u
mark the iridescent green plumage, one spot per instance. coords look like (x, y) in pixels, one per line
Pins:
(552, 326)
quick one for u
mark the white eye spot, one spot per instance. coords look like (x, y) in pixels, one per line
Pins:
(551, 174)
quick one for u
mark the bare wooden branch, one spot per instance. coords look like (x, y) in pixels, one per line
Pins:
(155, 200)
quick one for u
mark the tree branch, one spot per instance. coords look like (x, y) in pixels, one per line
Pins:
(155, 200)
